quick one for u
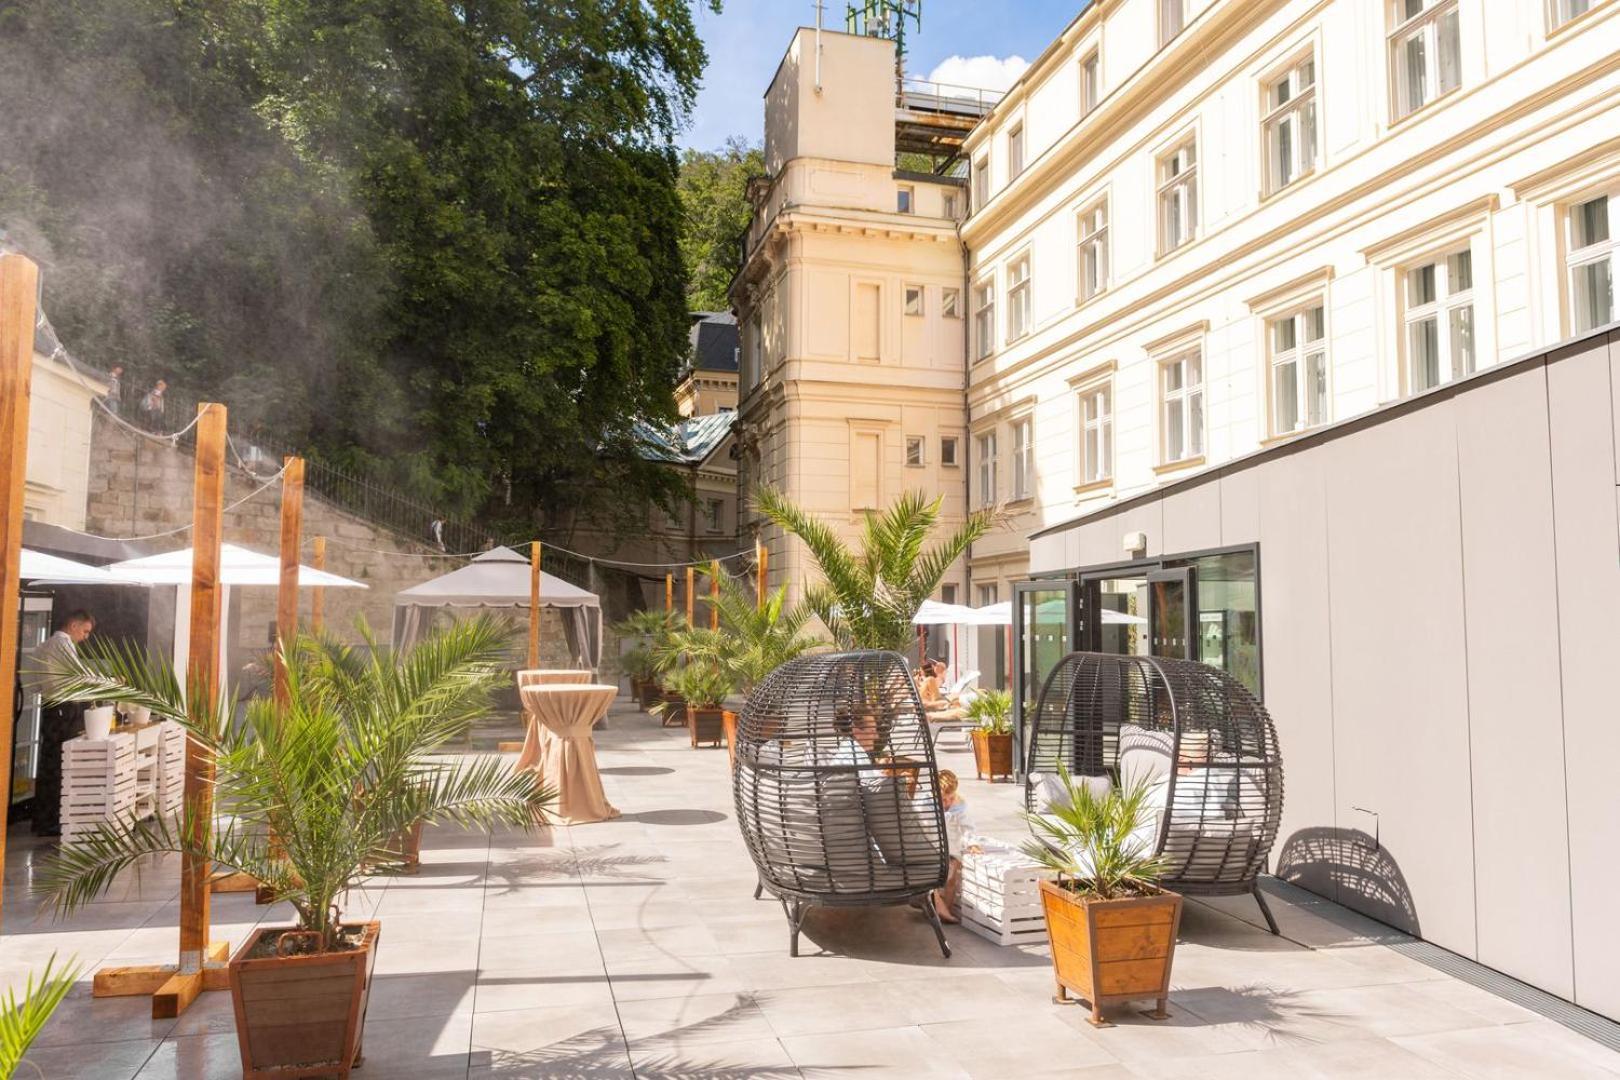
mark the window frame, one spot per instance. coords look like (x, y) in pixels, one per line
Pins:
(950, 302)
(1273, 116)
(1091, 92)
(984, 318)
(953, 460)
(1591, 254)
(949, 205)
(1017, 149)
(905, 199)
(1098, 238)
(1023, 458)
(906, 294)
(1020, 306)
(986, 482)
(1440, 309)
(1167, 32)
(1165, 183)
(1555, 24)
(921, 443)
(1102, 424)
(981, 182)
(1184, 395)
(714, 515)
(1300, 354)
(1402, 29)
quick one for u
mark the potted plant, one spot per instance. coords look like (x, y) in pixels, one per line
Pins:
(1112, 927)
(317, 793)
(703, 686)
(637, 663)
(649, 660)
(992, 738)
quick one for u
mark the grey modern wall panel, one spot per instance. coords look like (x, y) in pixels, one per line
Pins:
(1399, 677)
(1291, 526)
(1100, 542)
(1516, 730)
(1580, 395)
(1192, 519)
(1240, 508)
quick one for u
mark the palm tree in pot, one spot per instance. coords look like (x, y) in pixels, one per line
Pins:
(991, 711)
(318, 792)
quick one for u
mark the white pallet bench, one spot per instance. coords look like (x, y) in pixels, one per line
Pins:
(128, 776)
(1001, 896)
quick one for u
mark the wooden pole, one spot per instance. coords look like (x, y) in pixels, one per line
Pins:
(19, 285)
(317, 595)
(202, 668)
(689, 578)
(762, 558)
(292, 543)
(669, 593)
(534, 605)
(714, 595)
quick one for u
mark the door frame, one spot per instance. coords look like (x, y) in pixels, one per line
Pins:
(1187, 577)
(1071, 603)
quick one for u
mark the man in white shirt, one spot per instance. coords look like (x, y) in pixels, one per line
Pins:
(60, 721)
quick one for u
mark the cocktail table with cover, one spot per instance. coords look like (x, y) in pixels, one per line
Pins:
(558, 746)
(541, 676)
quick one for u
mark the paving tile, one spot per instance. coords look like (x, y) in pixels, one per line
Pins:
(1513, 1051)
(688, 1021)
(873, 1054)
(764, 1059)
(417, 1046)
(79, 1060)
(1133, 1037)
(402, 996)
(1011, 1047)
(216, 1056)
(557, 1041)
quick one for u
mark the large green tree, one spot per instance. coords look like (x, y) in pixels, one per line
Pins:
(714, 195)
(439, 239)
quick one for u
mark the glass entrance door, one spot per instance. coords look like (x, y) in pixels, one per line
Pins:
(1117, 613)
(34, 629)
(1044, 631)
(1169, 603)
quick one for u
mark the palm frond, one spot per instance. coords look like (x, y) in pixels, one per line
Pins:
(22, 1021)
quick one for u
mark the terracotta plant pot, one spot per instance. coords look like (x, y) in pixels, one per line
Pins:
(408, 844)
(1108, 951)
(649, 694)
(707, 725)
(992, 754)
(301, 1016)
(674, 709)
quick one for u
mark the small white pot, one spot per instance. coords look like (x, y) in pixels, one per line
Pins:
(98, 722)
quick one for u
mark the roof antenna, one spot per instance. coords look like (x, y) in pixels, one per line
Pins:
(820, 6)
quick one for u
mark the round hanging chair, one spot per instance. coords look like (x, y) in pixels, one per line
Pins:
(1198, 738)
(836, 788)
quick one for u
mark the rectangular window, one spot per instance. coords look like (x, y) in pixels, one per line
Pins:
(1565, 10)
(984, 319)
(914, 300)
(987, 469)
(904, 198)
(1298, 343)
(867, 322)
(1289, 129)
(950, 202)
(947, 451)
(989, 594)
(1092, 231)
(1181, 405)
(1018, 299)
(1015, 151)
(1090, 81)
(981, 183)
(1023, 459)
(1594, 254)
(1439, 321)
(1097, 435)
(950, 302)
(714, 514)
(915, 451)
(1178, 197)
(947, 593)
(1172, 17)
(1425, 52)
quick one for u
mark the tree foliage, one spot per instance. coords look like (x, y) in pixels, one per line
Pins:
(714, 194)
(441, 239)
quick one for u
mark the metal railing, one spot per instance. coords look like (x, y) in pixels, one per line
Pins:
(947, 97)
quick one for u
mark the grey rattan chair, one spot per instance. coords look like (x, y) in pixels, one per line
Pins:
(1194, 731)
(836, 788)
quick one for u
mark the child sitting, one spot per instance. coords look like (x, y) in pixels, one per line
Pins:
(957, 828)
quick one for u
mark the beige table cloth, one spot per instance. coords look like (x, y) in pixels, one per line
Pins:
(541, 676)
(558, 746)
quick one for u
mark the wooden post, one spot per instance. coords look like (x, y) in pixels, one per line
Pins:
(292, 543)
(202, 668)
(19, 285)
(689, 579)
(714, 595)
(534, 605)
(317, 595)
(762, 558)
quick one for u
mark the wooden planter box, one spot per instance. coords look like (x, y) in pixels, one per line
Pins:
(708, 725)
(1108, 951)
(674, 709)
(648, 693)
(301, 1016)
(992, 755)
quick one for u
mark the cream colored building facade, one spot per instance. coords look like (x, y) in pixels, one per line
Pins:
(1202, 227)
(849, 302)
(60, 415)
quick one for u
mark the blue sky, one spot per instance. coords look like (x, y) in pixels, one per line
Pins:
(747, 40)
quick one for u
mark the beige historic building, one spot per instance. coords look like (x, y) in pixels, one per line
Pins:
(60, 416)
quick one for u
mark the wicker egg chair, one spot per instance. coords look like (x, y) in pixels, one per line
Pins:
(1196, 734)
(836, 788)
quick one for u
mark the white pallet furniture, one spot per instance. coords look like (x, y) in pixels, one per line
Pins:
(1001, 897)
(130, 775)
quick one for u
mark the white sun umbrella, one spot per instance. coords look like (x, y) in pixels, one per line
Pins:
(1001, 614)
(43, 569)
(238, 567)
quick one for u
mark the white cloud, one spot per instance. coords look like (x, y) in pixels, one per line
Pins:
(979, 72)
